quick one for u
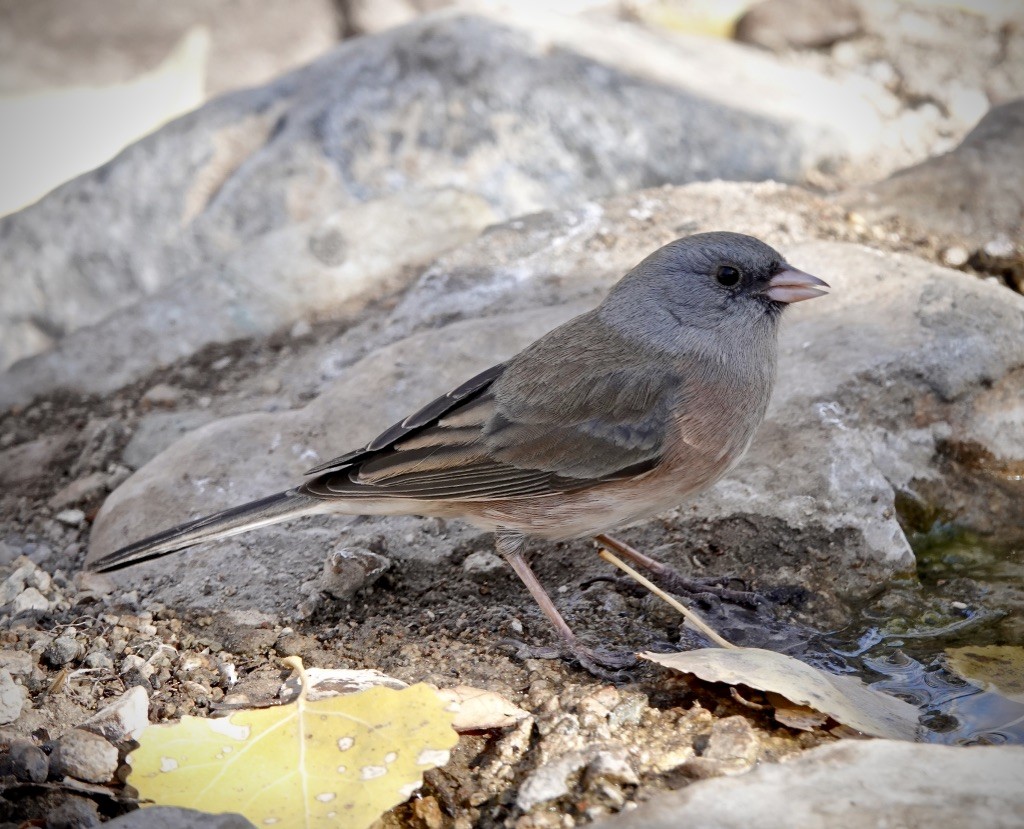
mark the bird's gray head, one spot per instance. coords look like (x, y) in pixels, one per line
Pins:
(726, 284)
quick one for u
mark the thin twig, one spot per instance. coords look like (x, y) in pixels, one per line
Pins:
(690, 616)
(747, 702)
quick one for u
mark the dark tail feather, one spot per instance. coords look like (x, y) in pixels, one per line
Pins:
(272, 510)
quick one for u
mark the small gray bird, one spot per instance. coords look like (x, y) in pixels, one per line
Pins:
(618, 414)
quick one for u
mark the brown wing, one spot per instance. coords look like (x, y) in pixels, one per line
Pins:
(537, 424)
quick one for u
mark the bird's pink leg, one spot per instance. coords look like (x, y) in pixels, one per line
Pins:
(512, 546)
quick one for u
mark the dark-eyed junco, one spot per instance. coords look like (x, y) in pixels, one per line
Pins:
(618, 414)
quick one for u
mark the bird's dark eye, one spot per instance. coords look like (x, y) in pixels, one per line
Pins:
(727, 276)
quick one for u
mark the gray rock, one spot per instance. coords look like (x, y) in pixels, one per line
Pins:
(161, 396)
(170, 817)
(29, 461)
(255, 291)
(269, 178)
(550, 780)
(30, 599)
(158, 430)
(12, 698)
(482, 564)
(17, 663)
(974, 193)
(26, 761)
(85, 756)
(74, 812)
(62, 650)
(42, 552)
(251, 43)
(123, 719)
(954, 57)
(852, 785)
(349, 569)
(71, 517)
(818, 486)
(16, 580)
(795, 24)
(80, 490)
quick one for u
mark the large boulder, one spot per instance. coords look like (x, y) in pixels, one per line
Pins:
(974, 193)
(874, 381)
(451, 101)
(852, 785)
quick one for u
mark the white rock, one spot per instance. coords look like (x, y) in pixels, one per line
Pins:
(12, 698)
(124, 719)
(30, 599)
(71, 517)
(85, 756)
(852, 785)
(18, 663)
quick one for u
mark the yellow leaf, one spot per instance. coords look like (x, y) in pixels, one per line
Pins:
(998, 668)
(340, 761)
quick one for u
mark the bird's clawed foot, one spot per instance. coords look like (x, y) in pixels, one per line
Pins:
(705, 590)
(604, 663)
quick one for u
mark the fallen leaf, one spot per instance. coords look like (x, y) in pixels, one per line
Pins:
(321, 683)
(478, 710)
(998, 668)
(845, 699)
(344, 760)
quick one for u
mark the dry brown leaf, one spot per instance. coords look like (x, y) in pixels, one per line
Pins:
(844, 698)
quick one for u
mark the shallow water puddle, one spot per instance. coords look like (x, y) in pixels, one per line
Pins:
(969, 592)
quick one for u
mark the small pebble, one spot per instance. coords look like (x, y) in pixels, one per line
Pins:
(482, 563)
(62, 650)
(162, 395)
(19, 663)
(124, 719)
(85, 756)
(999, 248)
(301, 329)
(74, 813)
(71, 517)
(347, 569)
(41, 553)
(955, 257)
(99, 660)
(28, 762)
(12, 698)
(30, 599)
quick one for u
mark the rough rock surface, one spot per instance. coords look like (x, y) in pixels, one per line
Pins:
(327, 268)
(898, 343)
(170, 817)
(452, 101)
(53, 44)
(974, 193)
(793, 24)
(852, 785)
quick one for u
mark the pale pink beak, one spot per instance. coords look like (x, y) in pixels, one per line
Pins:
(792, 285)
